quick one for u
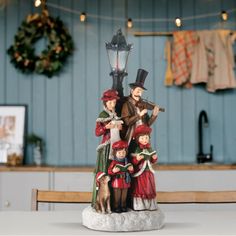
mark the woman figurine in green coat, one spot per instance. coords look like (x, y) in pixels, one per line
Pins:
(106, 121)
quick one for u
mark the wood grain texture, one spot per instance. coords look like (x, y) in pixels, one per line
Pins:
(197, 197)
(43, 196)
(59, 196)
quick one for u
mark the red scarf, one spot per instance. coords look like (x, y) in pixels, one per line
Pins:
(146, 146)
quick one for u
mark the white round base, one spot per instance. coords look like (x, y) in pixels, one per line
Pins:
(128, 221)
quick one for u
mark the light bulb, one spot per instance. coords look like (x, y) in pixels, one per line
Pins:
(37, 3)
(129, 23)
(82, 16)
(224, 15)
(178, 22)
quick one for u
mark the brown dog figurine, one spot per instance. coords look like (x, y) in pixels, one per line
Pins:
(103, 196)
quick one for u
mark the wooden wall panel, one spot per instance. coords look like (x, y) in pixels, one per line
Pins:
(160, 91)
(92, 66)
(66, 117)
(25, 82)
(106, 31)
(216, 104)
(133, 12)
(79, 86)
(53, 129)
(63, 109)
(189, 116)
(12, 82)
(202, 97)
(146, 56)
(229, 101)
(175, 103)
(2, 55)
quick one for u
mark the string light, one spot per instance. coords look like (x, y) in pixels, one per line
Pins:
(178, 22)
(37, 3)
(224, 15)
(129, 23)
(83, 17)
(145, 20)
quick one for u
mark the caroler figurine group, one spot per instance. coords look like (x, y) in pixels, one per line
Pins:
(124, 177)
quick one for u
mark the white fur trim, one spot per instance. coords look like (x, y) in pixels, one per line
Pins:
(150, 167)
(141, 170)
(144, 204)
(103, 120)
(131, 134)
(100, 176)
(112, 115)
(145, 163)
(103, 145)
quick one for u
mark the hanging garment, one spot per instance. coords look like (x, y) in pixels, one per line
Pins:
(169, 75)
(183, 48)
(203, 58)
(223, 75)
(213, 60)
(233, 40)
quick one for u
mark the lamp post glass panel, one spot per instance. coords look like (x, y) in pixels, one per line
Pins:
(118, 52)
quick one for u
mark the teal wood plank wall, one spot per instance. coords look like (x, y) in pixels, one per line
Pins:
(63, 109)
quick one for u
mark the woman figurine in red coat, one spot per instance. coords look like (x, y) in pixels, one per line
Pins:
(104, 125)
(119, 170)
(143, 190)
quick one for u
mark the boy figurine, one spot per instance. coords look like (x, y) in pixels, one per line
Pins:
(143, 190)
(119, 170)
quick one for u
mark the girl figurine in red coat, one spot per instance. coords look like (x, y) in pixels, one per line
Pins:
(143, 190)
(119, 170)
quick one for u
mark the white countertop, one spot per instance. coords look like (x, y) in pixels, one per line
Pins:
(201, 219)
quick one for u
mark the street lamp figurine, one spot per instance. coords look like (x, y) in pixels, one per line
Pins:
(108, 211)
(118, 51)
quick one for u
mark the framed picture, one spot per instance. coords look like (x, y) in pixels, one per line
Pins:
(12, 130)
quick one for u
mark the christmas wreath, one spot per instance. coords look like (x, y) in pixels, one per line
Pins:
(52, 58)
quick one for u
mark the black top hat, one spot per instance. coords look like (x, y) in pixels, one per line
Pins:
(140, 79)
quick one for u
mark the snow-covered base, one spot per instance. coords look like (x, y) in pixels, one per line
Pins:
(128, 221)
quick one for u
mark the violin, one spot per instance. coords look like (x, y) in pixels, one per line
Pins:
(145, 104)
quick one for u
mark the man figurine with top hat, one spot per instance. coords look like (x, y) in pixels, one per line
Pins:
(104, 124)
(132, 113)
(120, 170)
(143, 189)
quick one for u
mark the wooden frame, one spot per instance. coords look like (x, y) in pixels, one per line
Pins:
(162, 197)
(13, 119)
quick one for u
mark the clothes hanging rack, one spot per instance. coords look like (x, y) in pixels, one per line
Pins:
(166, 34)
(141, 34)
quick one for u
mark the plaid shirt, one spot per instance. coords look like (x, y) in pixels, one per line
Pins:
(183, 49)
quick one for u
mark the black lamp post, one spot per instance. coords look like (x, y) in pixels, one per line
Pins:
(118, 51)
